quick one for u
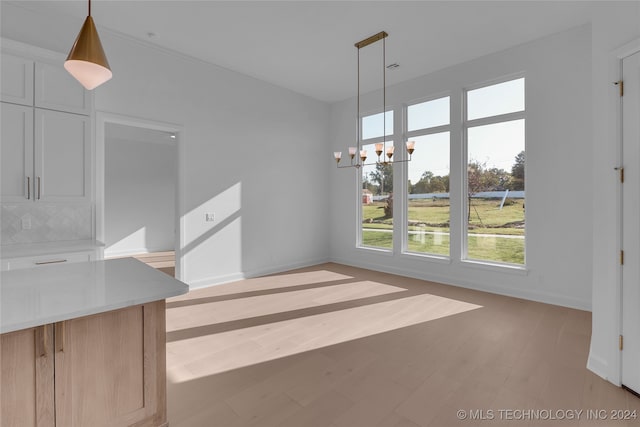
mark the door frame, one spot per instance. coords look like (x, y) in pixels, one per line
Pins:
(102, 119)
(623, 52)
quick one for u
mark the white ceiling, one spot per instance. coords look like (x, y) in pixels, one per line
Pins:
(307, 46)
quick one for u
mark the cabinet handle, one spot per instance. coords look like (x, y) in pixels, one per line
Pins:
(59, 337)
(38, 188)
(55, 261)
(41, 341)
(28, 188)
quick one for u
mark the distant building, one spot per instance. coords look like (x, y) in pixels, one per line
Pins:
(367, 196)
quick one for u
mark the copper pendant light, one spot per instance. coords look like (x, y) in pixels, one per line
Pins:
(87, 61)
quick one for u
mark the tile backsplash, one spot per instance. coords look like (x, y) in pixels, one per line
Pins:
(41, 222)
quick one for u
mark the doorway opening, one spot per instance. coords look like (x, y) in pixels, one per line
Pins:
(138, 191)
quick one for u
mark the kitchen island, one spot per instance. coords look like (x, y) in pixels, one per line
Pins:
(83, 344)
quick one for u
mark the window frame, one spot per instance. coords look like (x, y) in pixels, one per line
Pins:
(466, 125)
(406, 136)
(388, 138)
(458, 156)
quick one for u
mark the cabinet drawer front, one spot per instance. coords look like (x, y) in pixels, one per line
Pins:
(48, 260)
(16, 82)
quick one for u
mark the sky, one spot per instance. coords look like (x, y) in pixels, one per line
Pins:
(495, 145)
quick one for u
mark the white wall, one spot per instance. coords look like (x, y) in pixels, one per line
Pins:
(248, 151)
(140, 178)
(252, 153)
(558, 141)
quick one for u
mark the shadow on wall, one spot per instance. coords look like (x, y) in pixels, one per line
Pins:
(214, 228)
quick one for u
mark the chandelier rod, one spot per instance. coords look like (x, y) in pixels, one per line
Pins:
(358, 121)
(384, 96)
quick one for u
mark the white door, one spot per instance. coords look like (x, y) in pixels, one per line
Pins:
(631, 223)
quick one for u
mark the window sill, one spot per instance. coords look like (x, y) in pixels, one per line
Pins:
(428, 257)
(501, 268)
(381, 251)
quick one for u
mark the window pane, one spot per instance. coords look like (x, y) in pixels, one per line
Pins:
(428, 200)
(372, 126)
(428, 114)
(495, 187)
(377, 202)
(502, 98)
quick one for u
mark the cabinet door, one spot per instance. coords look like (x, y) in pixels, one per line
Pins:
(56, 89)
(16, 80)
(107, 369)
(62, 156)
(27, 392)
(16, 152)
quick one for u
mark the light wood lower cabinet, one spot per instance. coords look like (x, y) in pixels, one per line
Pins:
(102, 370)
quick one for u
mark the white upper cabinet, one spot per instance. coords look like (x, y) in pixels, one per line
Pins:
(55, 89)
(16, 80)
(45, 150)
(62, 156)
(16, 152)
(42, 83)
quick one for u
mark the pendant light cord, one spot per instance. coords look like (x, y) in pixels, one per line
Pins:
(89, 8)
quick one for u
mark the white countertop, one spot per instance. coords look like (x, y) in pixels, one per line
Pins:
(48, 248)
(38, 296)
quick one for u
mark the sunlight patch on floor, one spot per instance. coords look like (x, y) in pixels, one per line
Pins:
(221, 352)
(249, 307)
(266, 283)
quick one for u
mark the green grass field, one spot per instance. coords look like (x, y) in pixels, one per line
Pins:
(487, 224)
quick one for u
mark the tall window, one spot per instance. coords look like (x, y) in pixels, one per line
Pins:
(495, 197)
(428, 207)
(377, 184)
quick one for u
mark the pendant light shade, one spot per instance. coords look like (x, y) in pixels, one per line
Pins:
(87, 61)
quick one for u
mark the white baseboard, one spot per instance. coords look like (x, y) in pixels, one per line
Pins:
(135, 251)
(546, 298)
(600, 367)
(214, 280)
(227, 278)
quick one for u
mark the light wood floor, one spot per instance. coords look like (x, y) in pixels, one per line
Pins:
(163, 261)
(335, 346)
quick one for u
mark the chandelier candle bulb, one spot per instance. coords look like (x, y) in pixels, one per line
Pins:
(411, 145)
(379, 149)
(390, 152)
